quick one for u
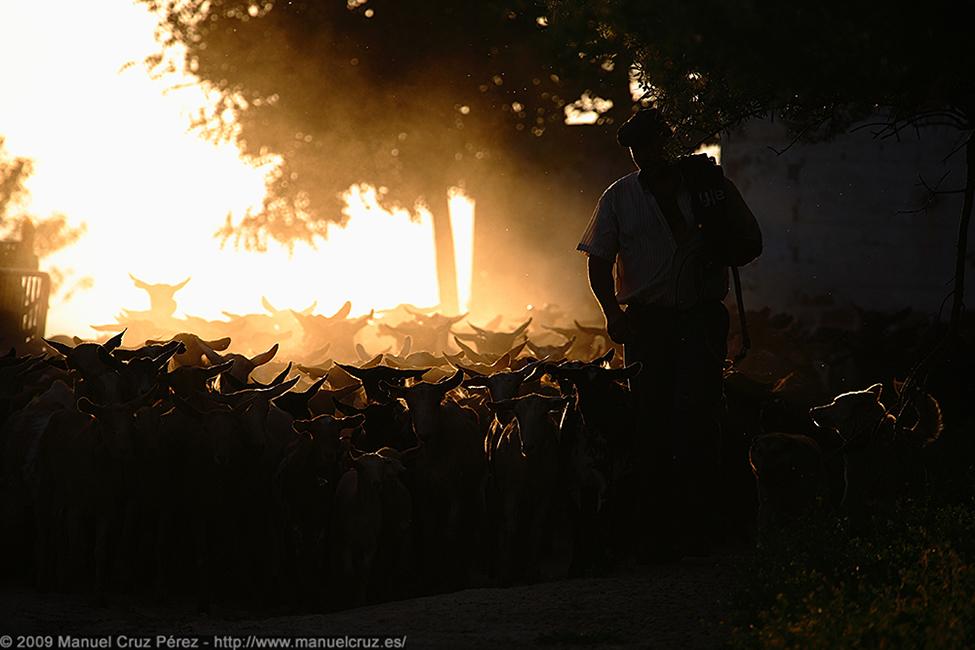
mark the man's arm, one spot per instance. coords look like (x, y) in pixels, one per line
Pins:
(603, 287)
(600, 242)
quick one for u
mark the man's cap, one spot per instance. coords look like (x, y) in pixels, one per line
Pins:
(644, 126)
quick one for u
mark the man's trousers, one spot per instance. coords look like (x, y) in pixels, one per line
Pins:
(679, 397)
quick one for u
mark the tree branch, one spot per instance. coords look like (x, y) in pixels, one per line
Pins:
(961, 254)
(955, 150)
(894, 126)
(753, 112)
(932, 193)
(799, 136)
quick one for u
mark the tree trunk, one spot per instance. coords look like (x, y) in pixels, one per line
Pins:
(444, 240)
(961, 253)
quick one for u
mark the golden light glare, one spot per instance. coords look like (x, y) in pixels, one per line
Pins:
(111, 149)
(713, 150)
(462, 227)
(586, 109)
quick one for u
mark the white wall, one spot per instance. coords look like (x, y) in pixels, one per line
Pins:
(833, 225)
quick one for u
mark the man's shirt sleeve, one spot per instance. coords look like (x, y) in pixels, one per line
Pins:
(601, 238)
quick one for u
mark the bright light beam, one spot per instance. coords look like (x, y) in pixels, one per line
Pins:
(462, 227)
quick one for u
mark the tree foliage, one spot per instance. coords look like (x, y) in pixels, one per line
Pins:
(13, 172)
(821, 67)
(51, 233)
(413, 97)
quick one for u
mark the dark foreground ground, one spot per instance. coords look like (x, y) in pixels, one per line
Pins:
(681, 605)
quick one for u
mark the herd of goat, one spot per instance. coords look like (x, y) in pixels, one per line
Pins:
(177, 466)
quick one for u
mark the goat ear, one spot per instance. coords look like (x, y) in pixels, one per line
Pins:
(179, 346)
(468, 351)
(898, 386)
(342, 407)
(213, 371)
(451, 382)
(606, 358)
(345, 390)
(351, 421)
(478, 329)
(218, 344)
(343, 311)
(516, 350)
(115, 341)
(521, 328)
(470, 371)
(350, 370)
(629, 372)
(230, 383)
(106, 358)
(375, 361)
(360, 352)
(501, 362)
(531, 371)
(312, 390)
(212, 356)
(281, 376)
(876, 389)
(61, 348)
(85, 405)
(264, 357)
(274, 392)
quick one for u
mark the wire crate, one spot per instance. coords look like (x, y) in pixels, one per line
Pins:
(24, 297)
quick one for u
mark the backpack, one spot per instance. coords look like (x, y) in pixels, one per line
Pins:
(698, 275)
(704, 180)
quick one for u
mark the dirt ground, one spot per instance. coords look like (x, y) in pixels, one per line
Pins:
(679, 605)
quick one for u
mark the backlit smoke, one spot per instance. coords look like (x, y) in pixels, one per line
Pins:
(112, 150)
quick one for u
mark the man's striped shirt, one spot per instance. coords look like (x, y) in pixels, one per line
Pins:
(629, 227)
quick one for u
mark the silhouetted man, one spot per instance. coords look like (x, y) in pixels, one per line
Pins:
(671, 229)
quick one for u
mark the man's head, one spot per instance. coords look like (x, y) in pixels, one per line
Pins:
(647, 135)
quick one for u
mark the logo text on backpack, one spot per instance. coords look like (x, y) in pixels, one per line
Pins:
(711, 197)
